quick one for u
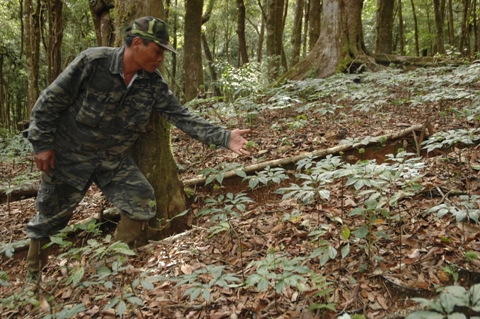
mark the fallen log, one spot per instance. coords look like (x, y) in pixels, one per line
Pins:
(319, 153)
(25, 191)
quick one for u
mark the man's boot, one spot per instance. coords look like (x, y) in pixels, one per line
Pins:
(132, 232)
(37, 257)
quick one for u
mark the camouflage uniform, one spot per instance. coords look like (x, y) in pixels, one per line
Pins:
(90, 118)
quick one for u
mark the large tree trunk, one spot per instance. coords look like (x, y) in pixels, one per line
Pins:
(100, 10)
(384, 28)
(192, 59)
(152, 152)
(55, 37)
(32, 49)
(339, 44)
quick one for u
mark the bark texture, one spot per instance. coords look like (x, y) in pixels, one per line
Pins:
(100, 10)
(192, 62)
(32, 49)
(384, 28)
(55, 37)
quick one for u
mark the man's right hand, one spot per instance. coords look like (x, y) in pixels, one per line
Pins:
(45, 160)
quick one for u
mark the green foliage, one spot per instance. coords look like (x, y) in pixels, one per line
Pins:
(225, 206)
(218, 173)
(279, 272)
(450, 138)
(465, 207)
(201, 281)
(265, 177)
(445, 306)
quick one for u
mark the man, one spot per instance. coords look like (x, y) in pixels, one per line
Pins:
(85, 121)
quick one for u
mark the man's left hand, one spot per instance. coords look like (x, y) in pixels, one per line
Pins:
(238, 144)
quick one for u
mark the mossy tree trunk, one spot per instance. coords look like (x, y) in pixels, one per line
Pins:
(340, 42)
(152, 152)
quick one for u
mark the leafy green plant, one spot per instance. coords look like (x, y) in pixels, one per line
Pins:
(465, 207)
(265, 177)
(218, 173)
(225, 206)
(201, 281)
(323, 294)
(277, 272)
(446, 306)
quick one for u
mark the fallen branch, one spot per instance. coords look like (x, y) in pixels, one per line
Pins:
(25, 191)
(319, 153)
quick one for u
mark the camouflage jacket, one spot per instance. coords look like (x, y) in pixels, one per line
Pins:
(90, 118)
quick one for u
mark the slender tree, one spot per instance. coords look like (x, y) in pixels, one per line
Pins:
(192, 61)
(439, 12)
(100, 10)
(450, 18)
(401, 37)
(55, 38)
(32, 49)
(415, 24)
(297, 32)
(384, 27)
(241, 32)
(464, 46)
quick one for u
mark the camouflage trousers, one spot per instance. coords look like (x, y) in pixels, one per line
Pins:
(129, 191)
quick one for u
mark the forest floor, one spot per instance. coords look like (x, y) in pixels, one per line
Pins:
(406, 251)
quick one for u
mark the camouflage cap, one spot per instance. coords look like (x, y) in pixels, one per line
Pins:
(151, 28)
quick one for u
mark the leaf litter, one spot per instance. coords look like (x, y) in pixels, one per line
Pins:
(371, 263)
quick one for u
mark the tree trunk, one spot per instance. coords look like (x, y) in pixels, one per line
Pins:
(439, 10)
(314, 20)
(261, 36)
(340, 42)
(415, 23)
(32, 49)
(297, 33)
(465, 32)
(242, 43)
(100, 10)
(274, 36)
(451, 30)
(192, 62)
(384, 27)
(152, 152)
(209, 56)
(401, 36)
(55, 37)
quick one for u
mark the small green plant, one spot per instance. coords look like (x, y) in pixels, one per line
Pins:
(323, 296)
(470, 256)
(277, 272)
(218, 173)
(265, 177)
(446, 305)
(225, 206)
(452, 271)
(201, 281)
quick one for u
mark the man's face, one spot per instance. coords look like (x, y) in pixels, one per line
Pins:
(148, 57)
